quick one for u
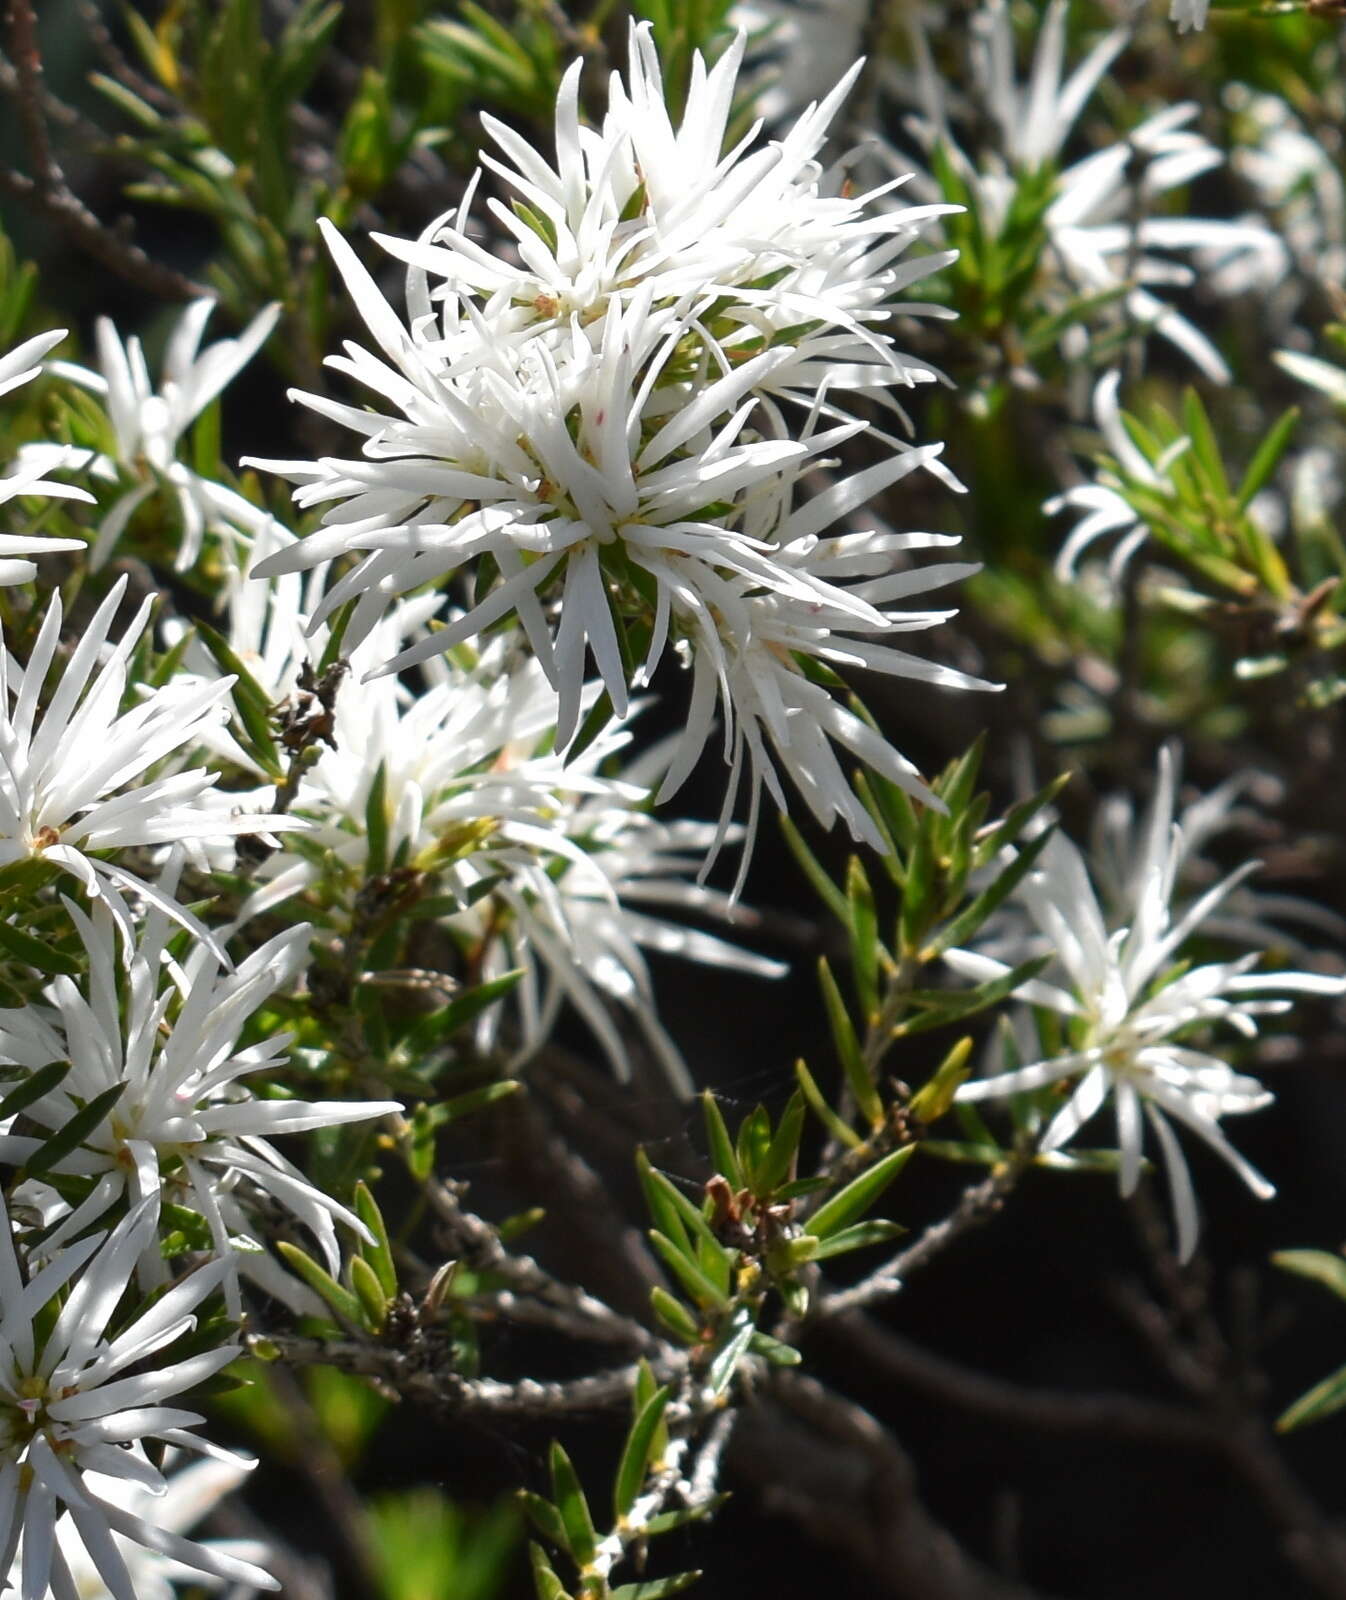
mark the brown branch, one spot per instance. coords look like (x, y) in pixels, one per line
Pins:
(47, 191)
(425, 1374)
(977, 1205)
(830, 1467)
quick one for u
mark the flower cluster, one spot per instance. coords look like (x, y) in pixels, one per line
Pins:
(1137, 1010)
(322, 835)
(617, 425)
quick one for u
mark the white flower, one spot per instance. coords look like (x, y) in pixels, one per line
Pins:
(1188, 14)
(1295, 180)
(22, 364)
(1101, 235)
(192, 1493)
(149, 425)
(763, 235)
(69, 1411)
(70, 770)
(570, 917)
(1106, 509)
(1131, 1009)
(543, 854)
(185, 1126)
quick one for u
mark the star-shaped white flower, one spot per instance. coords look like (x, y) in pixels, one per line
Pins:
(28, 478)
(149, 423)
(1136, 1016)
(72, 770)
(1102, 235)
(72, 1415)
(185, 1125)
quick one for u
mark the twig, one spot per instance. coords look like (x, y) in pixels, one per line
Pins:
(977, 1204)
(425, 1374)
(47, 190)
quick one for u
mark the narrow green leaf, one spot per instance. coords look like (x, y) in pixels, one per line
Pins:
(545, 1518)
(1321, 1401)
(694, 1281)
(754, 1140)
(545, 1581)
(827, 891)
(638, 1452)
(934, 1097)
(250, 700)
(369, 1292)
(73, 1134)
(379, 1254)
(859, 1236)
(581, 1540)
(674, 1316)
(33, 1087)
(376, 823)
(967, 922)
(778, 1162)
(36, 953)
(737, 1337)
(1323, 1266)
(994, 840)
(824, 1113)
(848, 1047)
(323, 1284)
(1267, 458)
(863, 926)
(1204, 448)
(773, 1350)
(851, 1203)
(441, 1025)
(661, 1200)
(654, 1588)
(722, 1155)
(684, 1516)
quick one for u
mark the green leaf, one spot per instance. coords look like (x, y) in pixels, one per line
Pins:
(654, 1588)
(736, 1339)
(1204, 448)
(323, 1284)
(754, 1140)
(545, 1518)
(967, 922)
(935, 1096)
(33, 1087)
(824, 1112)
(848, 1047)
(775, 1166)
(702, 1289)
(379, 1254)
(431, 1031)
(859, 1236)
(863, 926)
(581, 1540)
(376, 823)
(722, 1155)
(1267, 458)
(674, 1316)
(545, 1581)
(851, 1203)
(73, 1134)
(684, 1516)
(775, 1351)
(661, 1201)
(1321, 1401)
(1323, 1266)
(251, 701)
(827, 891)
(369, 1292)
(35, 953)
(638, 1452)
